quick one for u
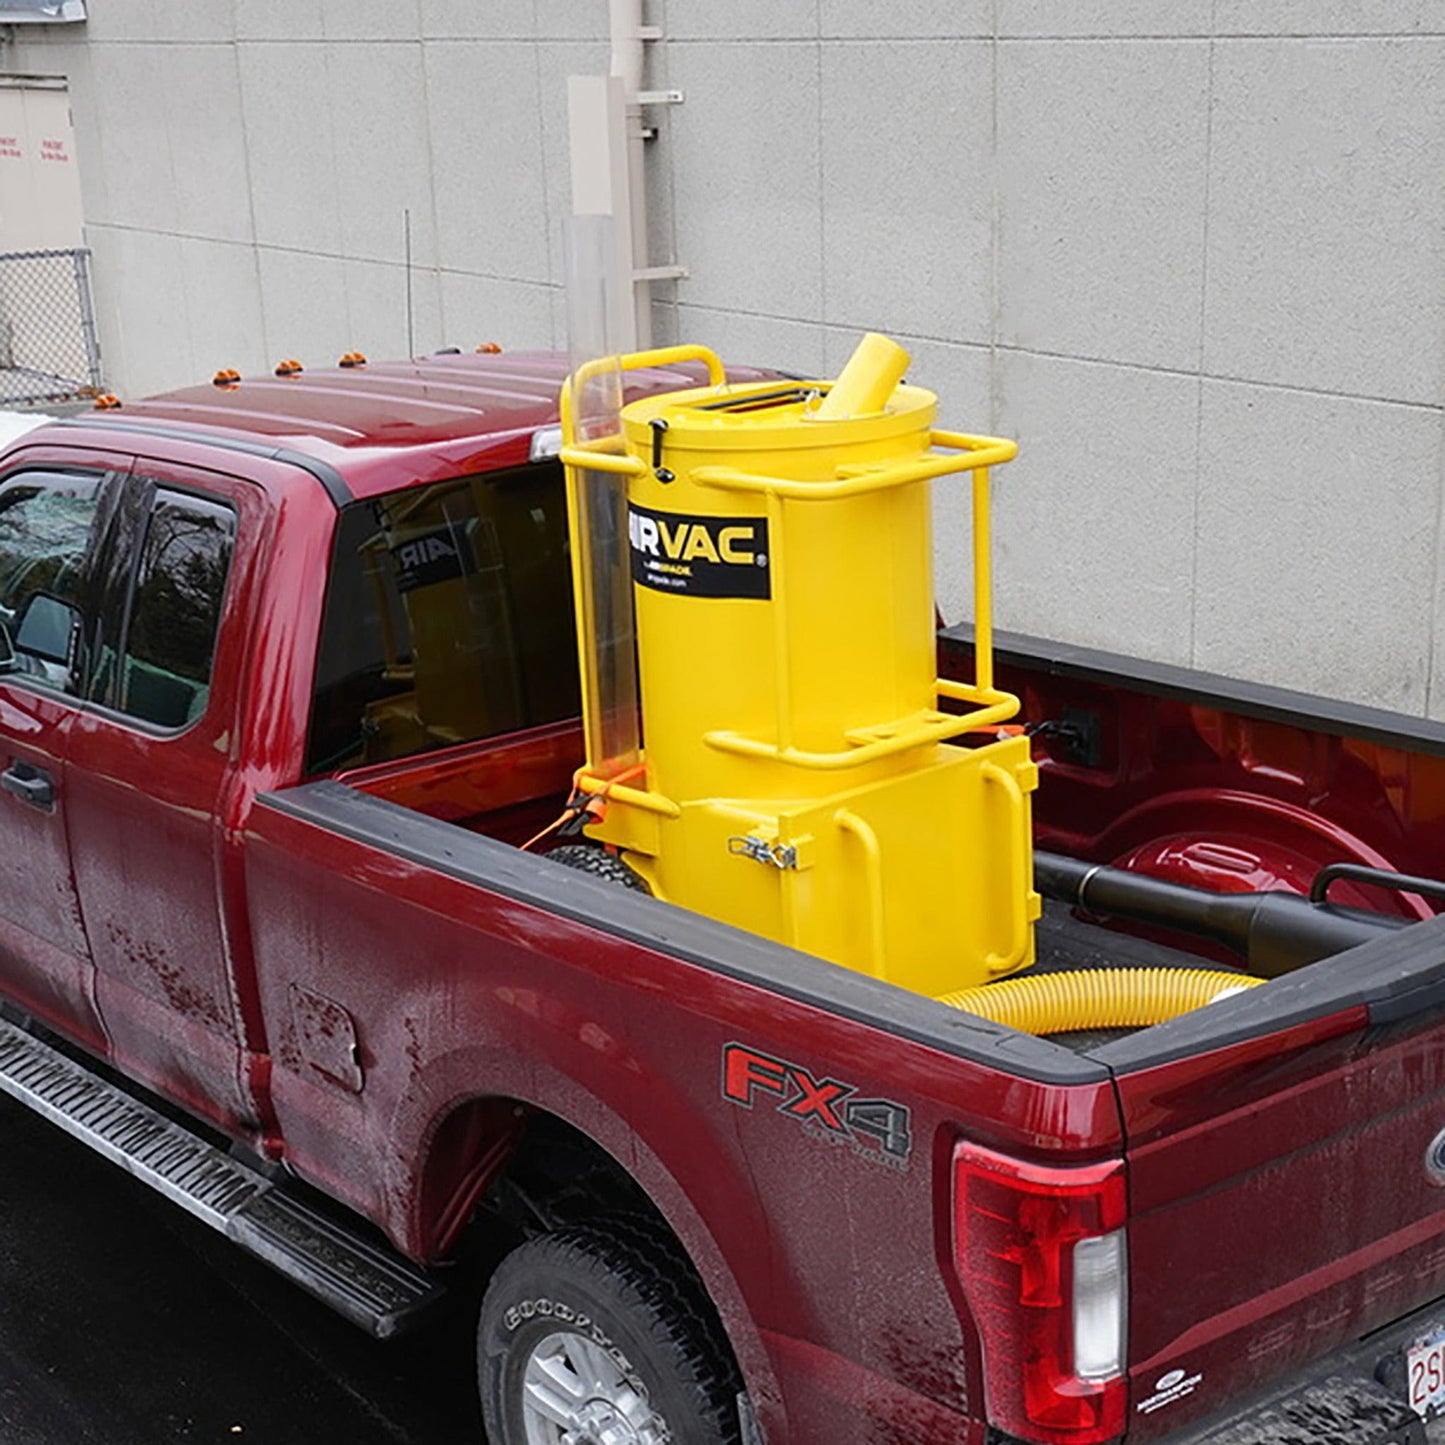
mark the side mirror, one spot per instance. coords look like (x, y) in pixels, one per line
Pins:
(44, 627)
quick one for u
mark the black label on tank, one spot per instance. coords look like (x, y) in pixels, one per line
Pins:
(700, 556)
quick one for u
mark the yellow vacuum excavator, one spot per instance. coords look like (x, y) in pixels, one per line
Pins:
(768, 742)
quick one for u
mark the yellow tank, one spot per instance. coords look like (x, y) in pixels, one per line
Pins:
(800, 778)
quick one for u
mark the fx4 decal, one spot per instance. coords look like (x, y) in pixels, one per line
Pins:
(827, 1109)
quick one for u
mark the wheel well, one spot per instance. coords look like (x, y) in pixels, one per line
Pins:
(503, 1172)
(557, 1176)
(496, 1161)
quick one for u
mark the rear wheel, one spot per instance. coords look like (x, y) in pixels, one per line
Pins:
(600, 1335)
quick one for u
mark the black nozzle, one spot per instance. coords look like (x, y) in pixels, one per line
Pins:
(1274, 932)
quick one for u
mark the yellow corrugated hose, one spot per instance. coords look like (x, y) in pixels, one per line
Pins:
(1097, 998)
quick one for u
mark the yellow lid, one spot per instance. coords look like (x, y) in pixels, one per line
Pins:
(771, 415)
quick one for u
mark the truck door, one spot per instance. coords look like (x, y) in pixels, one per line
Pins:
(49, 522)
(150, 760)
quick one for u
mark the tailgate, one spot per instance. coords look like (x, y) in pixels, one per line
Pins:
(1286, 1167)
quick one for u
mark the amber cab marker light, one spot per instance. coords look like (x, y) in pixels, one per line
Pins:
(227, 376)
(108, 401)
(288, 368)
(489, 348)
(352, 358)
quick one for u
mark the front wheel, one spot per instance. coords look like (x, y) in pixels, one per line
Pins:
(599, 1335)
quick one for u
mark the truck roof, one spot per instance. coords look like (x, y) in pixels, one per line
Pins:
(383, 424)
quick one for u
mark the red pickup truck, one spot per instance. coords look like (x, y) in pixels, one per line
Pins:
(288, 675)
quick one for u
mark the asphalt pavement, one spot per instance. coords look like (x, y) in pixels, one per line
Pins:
(123, 1321)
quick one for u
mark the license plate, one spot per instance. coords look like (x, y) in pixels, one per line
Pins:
(1425, 1373)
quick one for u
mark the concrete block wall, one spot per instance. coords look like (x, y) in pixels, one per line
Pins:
(246, 165)
(1190, 252)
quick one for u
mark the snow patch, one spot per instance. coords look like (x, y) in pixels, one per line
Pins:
(16, 423)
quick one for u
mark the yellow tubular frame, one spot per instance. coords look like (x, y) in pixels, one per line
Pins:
(990, 706)
(1017, 889)
(975, 454)
(606, 455)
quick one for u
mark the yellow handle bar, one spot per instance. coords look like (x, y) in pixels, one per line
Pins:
(1016, 891)
(974, 453)
(936, 729)
(633, 361)
(590, 456)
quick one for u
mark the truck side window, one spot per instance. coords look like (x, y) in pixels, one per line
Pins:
(448, 618)
(46, 520)
(158, 667)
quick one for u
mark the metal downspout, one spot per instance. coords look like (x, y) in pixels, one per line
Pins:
(627, 35)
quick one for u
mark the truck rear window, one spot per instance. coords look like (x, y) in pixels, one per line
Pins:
(448, 618)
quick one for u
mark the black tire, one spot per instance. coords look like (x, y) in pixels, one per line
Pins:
(619, 1289)
(589, 858)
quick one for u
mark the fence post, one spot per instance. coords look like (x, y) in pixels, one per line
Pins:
(87, 315)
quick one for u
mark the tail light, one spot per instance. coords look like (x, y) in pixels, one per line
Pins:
(1042, 1259)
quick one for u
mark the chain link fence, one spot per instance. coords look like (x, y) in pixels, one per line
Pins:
(49, 351)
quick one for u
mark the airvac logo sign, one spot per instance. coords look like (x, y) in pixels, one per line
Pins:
(432, 557)
(700, 556)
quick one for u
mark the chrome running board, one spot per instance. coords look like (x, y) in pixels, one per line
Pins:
(369, 1283)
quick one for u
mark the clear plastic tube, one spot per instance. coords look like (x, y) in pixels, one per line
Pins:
(603, 569)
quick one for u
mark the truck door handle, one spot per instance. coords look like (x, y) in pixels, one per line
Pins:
(30, 784)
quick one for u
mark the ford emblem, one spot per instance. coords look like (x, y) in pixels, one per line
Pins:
(1435, 1159)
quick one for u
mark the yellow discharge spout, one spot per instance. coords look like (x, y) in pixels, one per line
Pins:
(1098, 998)
(867, 381)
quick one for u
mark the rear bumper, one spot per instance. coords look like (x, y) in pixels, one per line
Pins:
(1355, 1396)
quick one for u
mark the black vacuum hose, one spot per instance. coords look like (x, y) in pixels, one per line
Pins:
(1275, 932)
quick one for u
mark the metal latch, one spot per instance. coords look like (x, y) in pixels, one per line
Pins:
(779, 855)
(659, 430)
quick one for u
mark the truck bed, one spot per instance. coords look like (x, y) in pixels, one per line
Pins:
(511, 791)
(1279, 1203)
(447, 968)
